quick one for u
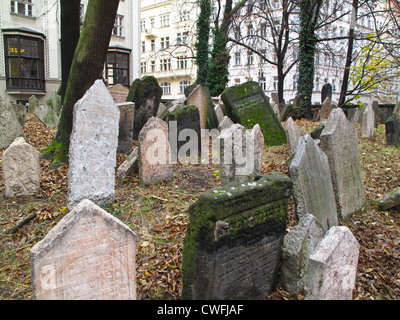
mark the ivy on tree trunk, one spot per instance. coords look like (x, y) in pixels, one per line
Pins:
(203, 33)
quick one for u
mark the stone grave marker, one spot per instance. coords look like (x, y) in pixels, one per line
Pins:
(46, 115)
(10, 127)
(368, 122)
(21, 169)
(146, 94)
(88, 255)
(20, 111)
(233, 243)
(325, 109)
(292, 134)
(392, 131)
(125, 135)
(312, 184)
(119, 92)
(326, 92)
(219, 112)
(331, 270)
(396, 110)
(130, 165)
(33, 102)
(225, 123)
(247, 104)
(154, 152)
(93, 147)
(339, 142)
(390, 200)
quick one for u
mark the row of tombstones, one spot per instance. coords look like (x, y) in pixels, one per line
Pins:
(234, 238)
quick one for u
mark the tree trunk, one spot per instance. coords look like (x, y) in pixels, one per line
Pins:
(88, 62)
(203, 35)
(70, 31)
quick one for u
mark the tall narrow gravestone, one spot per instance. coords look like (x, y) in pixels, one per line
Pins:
(125, 136)
(10, 128)
(88, 255)
(367, 122)
(292, 134)
(340, 144)
(392, 131)
(247, 104)
(312, 184)
(93, 147)
(233, 242)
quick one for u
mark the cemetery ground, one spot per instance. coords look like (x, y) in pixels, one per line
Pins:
(158, 214)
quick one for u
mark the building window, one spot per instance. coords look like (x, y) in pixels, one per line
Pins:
(184, 16)
(24, 57)
(143, 46)
(182, 37)
(165, 64)
(275, 83)
(237, 33)
(23, 7)
(118, 29)
(117, 68)
(153, 66)
(250, 57)
(153, 44)
(295, 80)
(166, 87)
(237, 59)
(143, 68)
(261, 80)
(164, 42)
(182, 63)
(142, 25)
(152, 23)
(182, 85)
(164, 21)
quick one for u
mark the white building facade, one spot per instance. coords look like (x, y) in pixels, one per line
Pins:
(30, 51)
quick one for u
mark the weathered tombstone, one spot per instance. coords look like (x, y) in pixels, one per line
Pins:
(396, 110)
(93, 147)
(146, 94)
(292, 134)
(375, 107)
(312, 184)
(225, 123)
(130, 165)
(390, 200)
(162, 111)
(367, 122)
(201, 98)
(219, 112)
(154, 152)
(392, 131)
(331, 270)
(340, 144)
(184, 120)
(33, 102)
(10, 127)
(20, 111)
(356, 118)
(240, 154)
(325, 109)
(287, 110)
(233, 242)
(326, 92)
(248, 105)
(297, 247)
(119, 92)
(275, 97)
(88, 255)
(46, 115)
(21, 169)
(125, 135)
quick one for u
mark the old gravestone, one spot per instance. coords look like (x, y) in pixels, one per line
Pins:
(154, 152)
(368, 122)
(331, 269)
(119, 92)
(125, 135)
(33, 102)
(312, 184)
(325, 109)
(146, 94)
(392, 131)
(88, 255)
(46, 115)
(233, 242)
(10, 127)
(184, 131)
(93, 147)
(247, 104)
(21, 169)
(326, 91)
(20, 111)
(130, 165)
(390, 200)
(292, 134)
(240, 153)
(340, 144)
(200, 97)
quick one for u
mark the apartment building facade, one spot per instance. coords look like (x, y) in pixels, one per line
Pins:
(30, 54)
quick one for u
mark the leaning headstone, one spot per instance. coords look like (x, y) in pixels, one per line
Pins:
(10, 127)
(368, 122)
(390, 200)
(219, 112)
(233, 243)
(340, 144)
(290, 107)
(201, 98)
(325, 109)
(331, 270)
(312, 184)
(154, 152)
(93, 147)
(88, 255)
(46, 115)
(125, 135)
(239, 154)
(129, 166)
(146, 94)
(162, 111)
(225, 123)
(297, 247)
(248, 105)
(392, 131)
(292, 134)
(33, 103)
(326, 92)
(21, 169)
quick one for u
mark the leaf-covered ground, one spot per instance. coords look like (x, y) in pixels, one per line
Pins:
(158, 215)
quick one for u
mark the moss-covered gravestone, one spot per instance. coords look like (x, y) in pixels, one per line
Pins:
(248, 105)
(233, 242)
(392, 131)
(146, 94)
